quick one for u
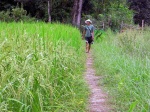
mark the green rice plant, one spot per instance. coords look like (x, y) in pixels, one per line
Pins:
(41, 67)
(123, 60)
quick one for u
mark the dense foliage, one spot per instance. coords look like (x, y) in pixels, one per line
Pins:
(38, 8)
(142, 11)
(100, 11)
(61, 9)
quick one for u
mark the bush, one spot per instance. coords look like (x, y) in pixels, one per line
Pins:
(5, 16)
(17, 14)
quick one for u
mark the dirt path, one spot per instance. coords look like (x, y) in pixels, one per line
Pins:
(97, 99)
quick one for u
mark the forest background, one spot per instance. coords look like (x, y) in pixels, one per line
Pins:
(102, 12)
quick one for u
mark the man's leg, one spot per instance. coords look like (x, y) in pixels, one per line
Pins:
(87, 47)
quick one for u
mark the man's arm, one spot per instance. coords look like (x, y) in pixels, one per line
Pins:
(92, 35)
(83, 35)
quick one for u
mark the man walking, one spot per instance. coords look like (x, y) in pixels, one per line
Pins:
(88, 34)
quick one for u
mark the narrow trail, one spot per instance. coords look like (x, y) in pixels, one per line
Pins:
(97, 98)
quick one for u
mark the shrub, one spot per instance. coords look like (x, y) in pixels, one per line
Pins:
(5, 16)
(16, 14)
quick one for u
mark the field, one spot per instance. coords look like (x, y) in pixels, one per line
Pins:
(123, 60)
(41, 67)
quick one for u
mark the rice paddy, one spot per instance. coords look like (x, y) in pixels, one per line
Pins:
(41, 67)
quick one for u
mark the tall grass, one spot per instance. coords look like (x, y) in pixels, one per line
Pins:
(41, 68)
(124, 62)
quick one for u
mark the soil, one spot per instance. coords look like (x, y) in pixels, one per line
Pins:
(98, 98)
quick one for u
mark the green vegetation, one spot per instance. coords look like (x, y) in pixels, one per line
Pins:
(16, 14)
(124, 62)
(41, 67)
(104, 13)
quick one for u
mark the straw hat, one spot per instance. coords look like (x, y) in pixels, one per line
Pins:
(88, 20)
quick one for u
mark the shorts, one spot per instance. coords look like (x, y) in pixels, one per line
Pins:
(89, 40)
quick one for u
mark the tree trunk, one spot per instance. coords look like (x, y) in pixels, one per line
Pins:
(76, 12)
(49, 10)
(79, 12)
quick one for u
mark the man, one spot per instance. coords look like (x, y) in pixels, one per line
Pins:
(88, 34)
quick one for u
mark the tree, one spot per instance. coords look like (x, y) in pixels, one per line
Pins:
(69, 11)
(76, 12)
(142, 11)
(49, 10)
